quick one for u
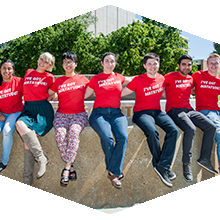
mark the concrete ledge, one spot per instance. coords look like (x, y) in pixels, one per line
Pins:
(93, 188)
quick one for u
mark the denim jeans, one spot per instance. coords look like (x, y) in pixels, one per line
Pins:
(106, 121)
(214, 116)
(187, 120)
(8, 128)
(147, 121)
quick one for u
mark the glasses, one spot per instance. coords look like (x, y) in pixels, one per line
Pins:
(65, 63)
(213, 64)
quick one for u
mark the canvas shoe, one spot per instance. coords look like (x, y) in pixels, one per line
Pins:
(171, 174)
(207, 165)
(2, 167)
(163, 174)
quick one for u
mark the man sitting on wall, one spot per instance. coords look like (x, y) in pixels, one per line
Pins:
(178, 86)
(207, 90)
(148, 89)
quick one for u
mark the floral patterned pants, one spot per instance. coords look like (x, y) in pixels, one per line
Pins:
(73, 124)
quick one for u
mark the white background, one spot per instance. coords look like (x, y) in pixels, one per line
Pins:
(22, 17)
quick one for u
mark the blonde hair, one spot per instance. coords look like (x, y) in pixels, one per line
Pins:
(213, 55)
(48, 58)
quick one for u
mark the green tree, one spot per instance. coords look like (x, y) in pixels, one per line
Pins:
(217, 48)
(70, 35)
(86, 19)
(131, 43)
(156, 23)
(99, 47)
(16, 50)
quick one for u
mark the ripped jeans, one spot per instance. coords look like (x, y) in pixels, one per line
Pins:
(8, 128)
(214, 116)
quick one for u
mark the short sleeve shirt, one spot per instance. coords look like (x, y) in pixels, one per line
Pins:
(107, 88)
(11, 95)
(207, 89)
(36, 85)
(70, 92)
(178, 89)
(148, 92)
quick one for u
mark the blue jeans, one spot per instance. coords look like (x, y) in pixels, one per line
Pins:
(147, 121)
(187, 120)
(8, 128)
(214, 116)
(106, 121)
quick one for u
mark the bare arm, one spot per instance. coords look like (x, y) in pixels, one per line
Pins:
(2, 117)
(164, 93)
(127, 80)
(126, 91)
(52, 95)
(88, 92)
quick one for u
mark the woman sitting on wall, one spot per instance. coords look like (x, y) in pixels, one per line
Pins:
(37, 115)
(71, 115)
(107, 118)
(11, 106)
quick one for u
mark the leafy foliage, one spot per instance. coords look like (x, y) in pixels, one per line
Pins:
(69, 35)
(217, 48)
(130, 44)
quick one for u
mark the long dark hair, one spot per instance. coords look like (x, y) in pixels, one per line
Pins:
(6, 61)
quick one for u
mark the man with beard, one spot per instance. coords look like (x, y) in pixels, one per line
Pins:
(178, 86)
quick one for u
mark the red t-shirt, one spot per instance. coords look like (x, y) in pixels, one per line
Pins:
(148, 92)
(207, 89)
(70, 92)
(36, 85)
(11, 95)
(107, 88)
(178, 90)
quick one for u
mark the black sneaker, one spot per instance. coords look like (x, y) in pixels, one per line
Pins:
(187, 172)
(2, 167)
(171, 174)
(163, 174)
(207, 165)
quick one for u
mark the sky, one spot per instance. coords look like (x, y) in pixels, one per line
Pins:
(199, 48)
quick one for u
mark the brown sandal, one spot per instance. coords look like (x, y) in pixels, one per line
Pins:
(121, 177)
(115, 180)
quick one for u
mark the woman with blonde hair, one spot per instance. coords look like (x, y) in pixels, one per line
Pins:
(37, 115)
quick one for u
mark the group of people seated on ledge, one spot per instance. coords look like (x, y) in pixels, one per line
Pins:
(35, 116)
